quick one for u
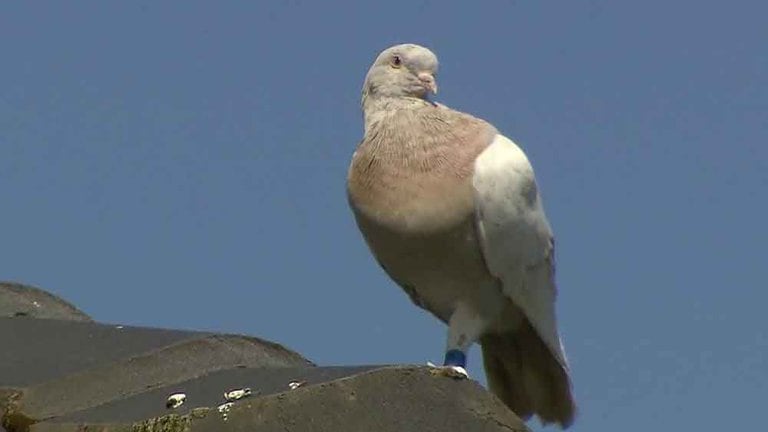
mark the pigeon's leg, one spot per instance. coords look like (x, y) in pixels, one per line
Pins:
(464, 328)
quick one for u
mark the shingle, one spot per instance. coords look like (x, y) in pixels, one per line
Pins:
(392, 399)
(18, 300)
(208, 391)
(50, 358)
(65, 375)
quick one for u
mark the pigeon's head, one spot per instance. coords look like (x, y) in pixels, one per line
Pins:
(405, 70)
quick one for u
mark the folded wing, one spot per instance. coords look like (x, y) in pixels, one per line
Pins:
(517, 241)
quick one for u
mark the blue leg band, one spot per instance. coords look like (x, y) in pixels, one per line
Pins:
(455, 357)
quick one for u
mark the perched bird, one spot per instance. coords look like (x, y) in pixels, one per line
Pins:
(450, 209)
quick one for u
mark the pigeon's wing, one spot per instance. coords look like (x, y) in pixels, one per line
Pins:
(515, 236)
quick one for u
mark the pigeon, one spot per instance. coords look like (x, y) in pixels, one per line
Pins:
(450, 209)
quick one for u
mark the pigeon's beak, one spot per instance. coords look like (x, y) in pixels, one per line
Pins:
(429, 81)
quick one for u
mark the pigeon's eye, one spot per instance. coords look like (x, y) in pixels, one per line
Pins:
(397, 61)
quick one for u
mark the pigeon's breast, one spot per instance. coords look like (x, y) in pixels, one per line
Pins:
(418, 204)
(410, 187)
(418, 178)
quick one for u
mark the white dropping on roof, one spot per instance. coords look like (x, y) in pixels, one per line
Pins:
(237, 394)
(175, 400)
(224, 409)
(293, 385)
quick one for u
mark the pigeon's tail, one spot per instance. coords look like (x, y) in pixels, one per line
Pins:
(524, 374)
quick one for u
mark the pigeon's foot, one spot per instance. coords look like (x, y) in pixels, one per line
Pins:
(455, 372)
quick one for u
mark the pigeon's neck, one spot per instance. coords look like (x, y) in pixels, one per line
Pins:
(377, 110)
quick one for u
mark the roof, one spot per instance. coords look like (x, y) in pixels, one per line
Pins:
(61, 371)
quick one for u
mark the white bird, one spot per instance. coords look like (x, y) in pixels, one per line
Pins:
(450, 209)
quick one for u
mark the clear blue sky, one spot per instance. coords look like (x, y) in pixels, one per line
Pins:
(183, 164)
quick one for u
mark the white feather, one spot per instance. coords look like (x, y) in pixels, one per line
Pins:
(515, 235)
